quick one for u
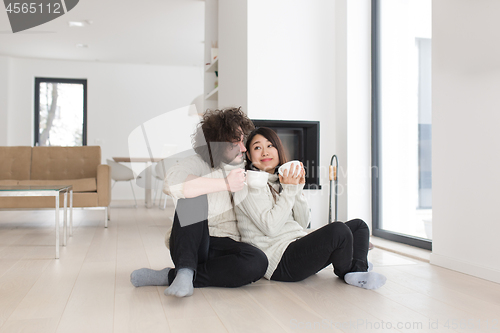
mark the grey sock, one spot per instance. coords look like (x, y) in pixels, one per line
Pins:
(366, 280)
(183, 283)
(149, 277)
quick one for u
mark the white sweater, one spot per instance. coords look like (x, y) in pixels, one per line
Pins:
(272, 226)
(221, 217)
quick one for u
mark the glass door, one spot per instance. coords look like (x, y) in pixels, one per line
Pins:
(402, 120)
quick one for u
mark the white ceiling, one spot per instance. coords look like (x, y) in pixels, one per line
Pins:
(160, 32)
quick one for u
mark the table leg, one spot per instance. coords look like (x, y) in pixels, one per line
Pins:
(65, 218)
(148, 185)
(71, 213)
(57, 226)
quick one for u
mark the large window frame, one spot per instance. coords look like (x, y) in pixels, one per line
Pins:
(376, 190)
(36, 126)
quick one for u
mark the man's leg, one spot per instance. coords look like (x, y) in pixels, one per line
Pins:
(189, 242)
(229, 264)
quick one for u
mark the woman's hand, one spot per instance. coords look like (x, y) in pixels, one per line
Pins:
(293, 177)
(235, 180)
(302, 179)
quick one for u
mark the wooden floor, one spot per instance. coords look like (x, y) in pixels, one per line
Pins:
(88, 288)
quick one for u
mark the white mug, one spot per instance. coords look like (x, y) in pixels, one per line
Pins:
(287, 166)
(256, 179)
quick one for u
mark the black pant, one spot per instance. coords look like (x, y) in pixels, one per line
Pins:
(345, 245)
(217, 261)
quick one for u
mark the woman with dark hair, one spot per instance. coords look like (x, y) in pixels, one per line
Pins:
(273, 219)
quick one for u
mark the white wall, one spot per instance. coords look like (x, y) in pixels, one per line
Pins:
(120, 98)
(359, 110)
(291, 71)
(340, 127)
(233, 52)
(466, 118)
(4, 86)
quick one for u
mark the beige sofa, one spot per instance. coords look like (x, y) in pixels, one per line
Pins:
(77, 166)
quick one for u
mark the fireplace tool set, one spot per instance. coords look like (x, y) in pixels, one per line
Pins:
(333, 169)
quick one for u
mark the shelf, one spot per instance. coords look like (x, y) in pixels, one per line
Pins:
(213, 95)
(213, 67)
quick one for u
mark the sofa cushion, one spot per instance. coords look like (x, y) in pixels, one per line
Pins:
(60, 163)
(88, 199)
(15, 163)
(9, 182)
(79, 185)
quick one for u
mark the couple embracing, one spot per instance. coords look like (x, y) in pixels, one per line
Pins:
(228, 234)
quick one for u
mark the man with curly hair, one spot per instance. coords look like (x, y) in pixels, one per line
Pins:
(204, 240)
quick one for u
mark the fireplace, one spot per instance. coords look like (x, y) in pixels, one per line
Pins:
(301, 142)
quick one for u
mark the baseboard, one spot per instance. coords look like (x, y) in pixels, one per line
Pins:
(466, 267)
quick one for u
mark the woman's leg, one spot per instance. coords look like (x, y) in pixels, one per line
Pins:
(306, 256)
(331, 244)
(359, 276)
(361, 240)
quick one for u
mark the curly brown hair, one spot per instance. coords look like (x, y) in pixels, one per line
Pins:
(222, 127)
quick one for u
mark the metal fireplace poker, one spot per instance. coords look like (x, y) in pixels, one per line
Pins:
(333, 177)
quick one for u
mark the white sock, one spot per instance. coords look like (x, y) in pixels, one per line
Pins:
(370, 267)
(182, 285)
(366, 280)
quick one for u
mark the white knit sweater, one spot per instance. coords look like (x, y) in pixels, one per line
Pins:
(221, 217)
(272, 226)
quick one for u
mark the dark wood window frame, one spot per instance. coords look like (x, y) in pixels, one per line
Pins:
(39, 80)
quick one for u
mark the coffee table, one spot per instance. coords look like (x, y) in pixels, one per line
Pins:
(46, 191)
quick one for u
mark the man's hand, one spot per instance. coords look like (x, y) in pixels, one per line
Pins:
(235, 180)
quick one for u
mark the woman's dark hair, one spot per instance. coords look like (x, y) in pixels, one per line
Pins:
(270, 135)
(217, 131)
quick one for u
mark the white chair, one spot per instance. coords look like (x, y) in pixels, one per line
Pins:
(121, 173)
(159, 173)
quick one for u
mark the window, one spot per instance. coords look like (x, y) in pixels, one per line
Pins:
(60, 112)
(402, 121)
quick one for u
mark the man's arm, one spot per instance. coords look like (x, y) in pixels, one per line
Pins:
(195, 186)
(186, 179)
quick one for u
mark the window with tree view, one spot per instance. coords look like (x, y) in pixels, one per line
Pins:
(60, 112)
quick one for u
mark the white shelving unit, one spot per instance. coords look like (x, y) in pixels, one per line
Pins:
(213, 95)
(211, 90)
(226, 24)
(213, 67)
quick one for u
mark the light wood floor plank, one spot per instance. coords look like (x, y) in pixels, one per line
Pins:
(191, 314)
(336, 312)
(16, 283)
(89, 289)
(239, 312)
(90, 307)
(48, 296)
(136, 309)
